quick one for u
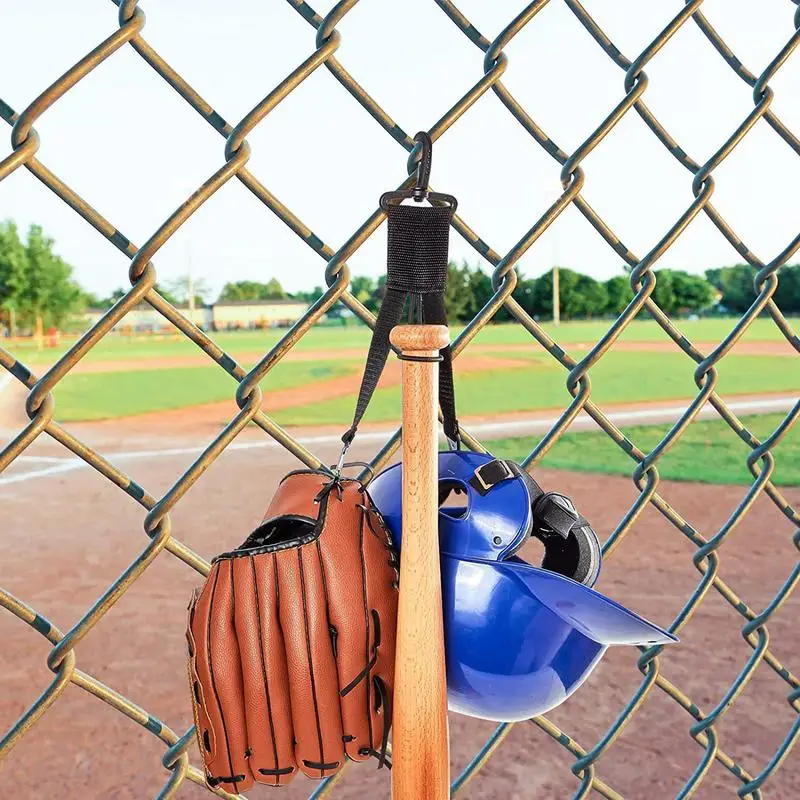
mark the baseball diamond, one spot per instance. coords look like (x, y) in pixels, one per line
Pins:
(141, 445)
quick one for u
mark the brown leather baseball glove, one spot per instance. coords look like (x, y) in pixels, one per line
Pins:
(292, 639)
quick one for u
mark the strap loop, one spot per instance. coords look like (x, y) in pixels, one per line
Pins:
(418, 238)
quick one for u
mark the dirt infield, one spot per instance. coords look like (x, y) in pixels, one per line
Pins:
(66, 537)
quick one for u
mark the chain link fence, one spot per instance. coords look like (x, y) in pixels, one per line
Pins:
(63, 658)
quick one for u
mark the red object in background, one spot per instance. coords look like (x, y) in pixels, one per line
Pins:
(52, 336)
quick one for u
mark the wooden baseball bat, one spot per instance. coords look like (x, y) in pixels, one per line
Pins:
(420, 748)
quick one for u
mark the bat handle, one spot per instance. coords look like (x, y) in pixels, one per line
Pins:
(420, 749)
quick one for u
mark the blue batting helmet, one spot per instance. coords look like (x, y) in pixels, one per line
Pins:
(519, 639)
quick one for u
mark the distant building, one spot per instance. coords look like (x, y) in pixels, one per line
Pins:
(233, 314)
(144, 318)
(226, 315)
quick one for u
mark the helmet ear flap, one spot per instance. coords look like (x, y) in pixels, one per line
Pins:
(577, 556)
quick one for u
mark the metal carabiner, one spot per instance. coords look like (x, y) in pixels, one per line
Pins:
(337, 470)
(453, 444)
(420, 190)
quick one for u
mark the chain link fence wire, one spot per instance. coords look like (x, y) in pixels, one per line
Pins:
(63, 659)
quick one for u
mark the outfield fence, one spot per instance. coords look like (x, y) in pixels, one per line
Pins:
(587, 767)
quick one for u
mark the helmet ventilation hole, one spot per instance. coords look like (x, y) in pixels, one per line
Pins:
(453, 499)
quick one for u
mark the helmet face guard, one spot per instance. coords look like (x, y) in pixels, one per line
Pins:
(519, 639)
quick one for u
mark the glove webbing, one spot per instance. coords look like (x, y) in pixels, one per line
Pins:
(417, 269)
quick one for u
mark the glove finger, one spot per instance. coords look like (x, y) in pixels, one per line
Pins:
(351, 616)
(313, 683)
(382, 596)
(204, 728)
(264, 676)
(230, 769)
(211, 730)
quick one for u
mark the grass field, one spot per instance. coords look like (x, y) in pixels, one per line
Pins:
(109, 395)
(539, 383)
(622, 377)
(709, 452)
(331, 338)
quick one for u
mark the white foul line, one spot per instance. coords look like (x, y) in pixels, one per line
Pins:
(69, 465)
(583, 420)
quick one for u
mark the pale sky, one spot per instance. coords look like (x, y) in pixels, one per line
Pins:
(134, 149)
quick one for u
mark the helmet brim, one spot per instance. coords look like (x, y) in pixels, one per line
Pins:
(591, 613)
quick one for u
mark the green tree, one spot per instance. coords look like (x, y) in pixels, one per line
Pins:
(591, 297)
(240, 290)
(12, 270)
(89, 299)
(738, 291)
(363, 288)
(48, 294)
(252, 290)
(735, 284)
(787, 295)
(479, 286)
(274, 290)
(692, 292)
(458, 297)
(579, 295)
(714, 277)
(664, 291)
(619, 293)
(525, 294)
(569, 303)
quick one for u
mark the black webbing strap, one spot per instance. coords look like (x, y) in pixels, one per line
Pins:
(417, 269)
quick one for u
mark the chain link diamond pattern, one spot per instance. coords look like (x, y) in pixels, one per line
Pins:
(63, 658)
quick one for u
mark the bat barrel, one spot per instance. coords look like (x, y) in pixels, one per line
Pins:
(420, 749)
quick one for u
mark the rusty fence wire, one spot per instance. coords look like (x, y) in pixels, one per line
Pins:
(63, 660)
